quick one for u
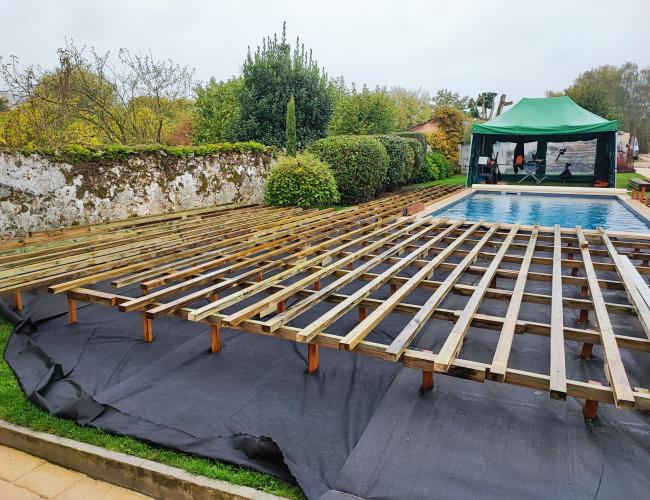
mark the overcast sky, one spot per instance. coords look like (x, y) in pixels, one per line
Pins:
(522, 48)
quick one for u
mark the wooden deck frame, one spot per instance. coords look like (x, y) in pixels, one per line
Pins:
(299, 260)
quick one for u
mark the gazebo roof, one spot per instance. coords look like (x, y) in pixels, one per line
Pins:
(546, 116)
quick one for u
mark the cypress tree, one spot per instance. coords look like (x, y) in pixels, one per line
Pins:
(291, 127)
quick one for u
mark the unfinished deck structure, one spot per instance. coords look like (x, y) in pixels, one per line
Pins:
(371, 280)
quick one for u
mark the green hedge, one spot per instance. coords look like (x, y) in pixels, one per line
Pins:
(419, 157)
(436, 167)
(359, 163)
(301, 181)
(77, 153)
(400, 160)
(418, 136)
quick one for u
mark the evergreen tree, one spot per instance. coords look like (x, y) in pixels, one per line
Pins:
(291, 127)
(270, 76)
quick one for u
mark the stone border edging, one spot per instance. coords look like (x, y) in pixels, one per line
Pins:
(137, 474)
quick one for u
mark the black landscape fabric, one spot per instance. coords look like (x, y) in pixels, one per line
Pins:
(358, 427)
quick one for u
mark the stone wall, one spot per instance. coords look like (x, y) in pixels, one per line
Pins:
(40, 193)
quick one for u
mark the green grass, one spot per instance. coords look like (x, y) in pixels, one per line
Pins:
(621, 179)
(17, 409)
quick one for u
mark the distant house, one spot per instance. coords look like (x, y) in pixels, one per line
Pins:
(430, 125)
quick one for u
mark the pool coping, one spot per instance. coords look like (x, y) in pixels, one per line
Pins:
(621, 194)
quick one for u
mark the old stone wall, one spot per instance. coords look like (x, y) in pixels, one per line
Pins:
(40, 193)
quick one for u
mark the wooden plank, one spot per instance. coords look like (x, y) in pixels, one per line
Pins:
(330, 316)
(454, 340)
(613, 363)
(633, 292)
(365, 327)
(504, 345)
(557, 369)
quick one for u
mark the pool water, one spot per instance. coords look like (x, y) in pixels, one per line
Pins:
(588, 212)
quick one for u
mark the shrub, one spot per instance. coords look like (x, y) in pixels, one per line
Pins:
(430, 172)
(419, 136)
(442, 165)
(419, 155)
(359, 163)
(400, 160)
(301, 181)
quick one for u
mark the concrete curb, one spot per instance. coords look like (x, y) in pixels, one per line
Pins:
(137, 474)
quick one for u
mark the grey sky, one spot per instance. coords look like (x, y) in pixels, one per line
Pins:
(519, 47)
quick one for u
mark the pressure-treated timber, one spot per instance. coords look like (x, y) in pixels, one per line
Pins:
(264, 269)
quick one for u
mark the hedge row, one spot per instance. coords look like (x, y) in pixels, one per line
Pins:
(112, 152)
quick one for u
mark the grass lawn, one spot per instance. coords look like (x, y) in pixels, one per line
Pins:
(17, 409)
(621, 181)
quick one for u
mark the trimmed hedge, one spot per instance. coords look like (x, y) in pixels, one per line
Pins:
(301, 181)
(436, 167)
(359, 163)
(401, 159)
(418, 136)
(419, 157)
(77, 153)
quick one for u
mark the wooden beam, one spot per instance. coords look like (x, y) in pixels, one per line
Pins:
(557, 369)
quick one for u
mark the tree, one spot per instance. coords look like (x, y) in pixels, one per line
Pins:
(4, 104)
(216, 108)
(365, 112)
(130, 99)
(411, 106)
(270, 76)
(616, 92)
(445, 97)
(291, 127)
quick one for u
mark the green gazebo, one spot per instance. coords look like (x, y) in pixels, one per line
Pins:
(546, 120)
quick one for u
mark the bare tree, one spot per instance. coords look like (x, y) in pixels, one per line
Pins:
(125, 100)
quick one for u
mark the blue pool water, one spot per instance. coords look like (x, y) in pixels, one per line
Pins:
(588, 212)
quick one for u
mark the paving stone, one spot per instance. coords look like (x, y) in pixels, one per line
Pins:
(16, 463)
(49, 480)
(10, 491)
(117, 493)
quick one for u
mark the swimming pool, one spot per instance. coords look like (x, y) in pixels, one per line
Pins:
(586, 211)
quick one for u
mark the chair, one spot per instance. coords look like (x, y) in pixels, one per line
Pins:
(530, 168)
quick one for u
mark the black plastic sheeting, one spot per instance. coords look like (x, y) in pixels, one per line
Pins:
(358, 427)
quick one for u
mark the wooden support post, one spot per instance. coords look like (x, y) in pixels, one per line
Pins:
(216, 338)
(317, 286)
(18, 301)
(427, 380)
(584, 313)
(585, 352)
(259, 277)
(281, 306)
(312, 358)
(643, 195)
(72, 311)
(574, 270)
(393, 288)
(493, 283)
(213, 297)
(590, 409)
(147, 327)
(350, 266)
(363, 313)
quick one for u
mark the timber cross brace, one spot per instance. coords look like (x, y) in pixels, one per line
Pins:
(350, 279)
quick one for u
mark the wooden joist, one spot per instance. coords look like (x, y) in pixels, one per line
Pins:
(263, 271)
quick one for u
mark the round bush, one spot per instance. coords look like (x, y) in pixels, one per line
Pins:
(359, 164)
(438, 167)
(301, 181)
(400, 160)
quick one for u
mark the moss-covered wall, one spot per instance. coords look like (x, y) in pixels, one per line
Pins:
(40, 192)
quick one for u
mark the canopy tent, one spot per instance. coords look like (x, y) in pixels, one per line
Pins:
(546, 120)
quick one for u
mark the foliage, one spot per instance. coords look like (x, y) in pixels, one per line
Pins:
(4, 104)
(301, 181)
(419, 155)
(401, 159)
(359, 164)
(291, 127)
(411, 106)
(270, 76)
(215, 110)
(616, 92)
(445, 97)
(90, 98)
(440, 143)
(365, 112)
(438, 164)
(76, 153)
